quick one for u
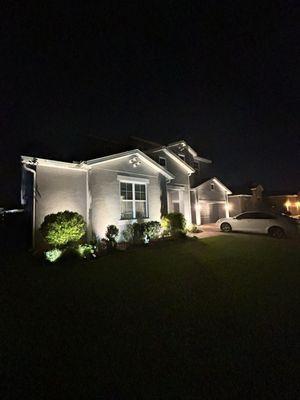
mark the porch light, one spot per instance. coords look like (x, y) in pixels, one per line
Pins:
(298, 204)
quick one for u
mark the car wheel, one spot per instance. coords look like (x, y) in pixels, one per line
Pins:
(225, 227)
(277, 232)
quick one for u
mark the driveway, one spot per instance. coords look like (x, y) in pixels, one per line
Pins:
(210, 230)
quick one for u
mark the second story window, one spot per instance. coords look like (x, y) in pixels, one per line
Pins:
(162, 161)
(212, 186)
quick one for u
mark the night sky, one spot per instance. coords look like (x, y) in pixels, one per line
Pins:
(221, 75)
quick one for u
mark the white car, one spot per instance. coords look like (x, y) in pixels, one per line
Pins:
(259, 222)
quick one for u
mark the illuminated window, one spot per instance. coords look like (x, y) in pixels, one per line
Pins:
(133, 200)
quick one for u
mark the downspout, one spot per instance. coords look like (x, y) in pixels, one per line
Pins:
(88, 199)
(189, 200)
(33, 200)
(88, 204)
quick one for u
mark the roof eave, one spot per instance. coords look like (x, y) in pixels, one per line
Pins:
(138, 152)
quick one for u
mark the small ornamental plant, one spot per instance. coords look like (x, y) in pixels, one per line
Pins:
(111, 234)
(63, 228)
(53, 255)
(86, 251)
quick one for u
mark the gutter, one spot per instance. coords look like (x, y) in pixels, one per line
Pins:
(32, 162)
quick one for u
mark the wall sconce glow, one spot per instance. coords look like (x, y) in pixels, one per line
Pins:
(228, 207)
(298, 204)
(197, 207)
(287, 204)
(135, 161)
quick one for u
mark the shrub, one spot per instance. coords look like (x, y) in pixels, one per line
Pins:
(142, 232)
(174, 224)
(63, 228)
(128, 233)
(133, 233)
(112, 233)
(53, 255)
(152, 229)
(193, 229)
(86, 250)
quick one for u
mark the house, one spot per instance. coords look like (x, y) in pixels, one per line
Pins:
(138, 184)
(255, 198)
(283, 202)
(247, 199)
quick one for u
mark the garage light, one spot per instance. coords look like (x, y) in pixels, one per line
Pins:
(287, 204)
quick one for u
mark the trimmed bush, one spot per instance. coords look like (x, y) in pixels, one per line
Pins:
(63, 228)
(128, 233)
(53, 255)
(193, 229)
(152, 230)
(86, 250)
(173, 224)
(111, 234)
(142, 232)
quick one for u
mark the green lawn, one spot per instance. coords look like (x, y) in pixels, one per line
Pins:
(194, 319)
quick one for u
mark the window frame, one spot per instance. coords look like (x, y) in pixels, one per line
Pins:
(133, 201)
(162, 158)
(196, 165)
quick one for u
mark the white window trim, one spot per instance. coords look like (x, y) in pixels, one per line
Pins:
(133, 182)
(132, 179)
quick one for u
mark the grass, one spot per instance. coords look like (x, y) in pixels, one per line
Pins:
(215, 318)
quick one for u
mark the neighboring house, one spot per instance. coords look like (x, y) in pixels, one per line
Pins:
(289, 203)
(254, 198)
(124, 187)
(247, 199)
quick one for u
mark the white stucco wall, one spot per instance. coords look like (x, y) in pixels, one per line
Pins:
(181, 180)
(105, 193)
(59, 189)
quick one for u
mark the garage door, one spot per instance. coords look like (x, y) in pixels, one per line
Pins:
(212, 212)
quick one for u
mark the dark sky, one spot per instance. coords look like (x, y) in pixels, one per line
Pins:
(222, 75)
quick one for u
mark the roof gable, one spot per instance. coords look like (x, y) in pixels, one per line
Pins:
(174, 157)
(135, 152)
(215, 180)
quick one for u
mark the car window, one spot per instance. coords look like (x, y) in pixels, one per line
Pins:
(246, 216)
(265, 216)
